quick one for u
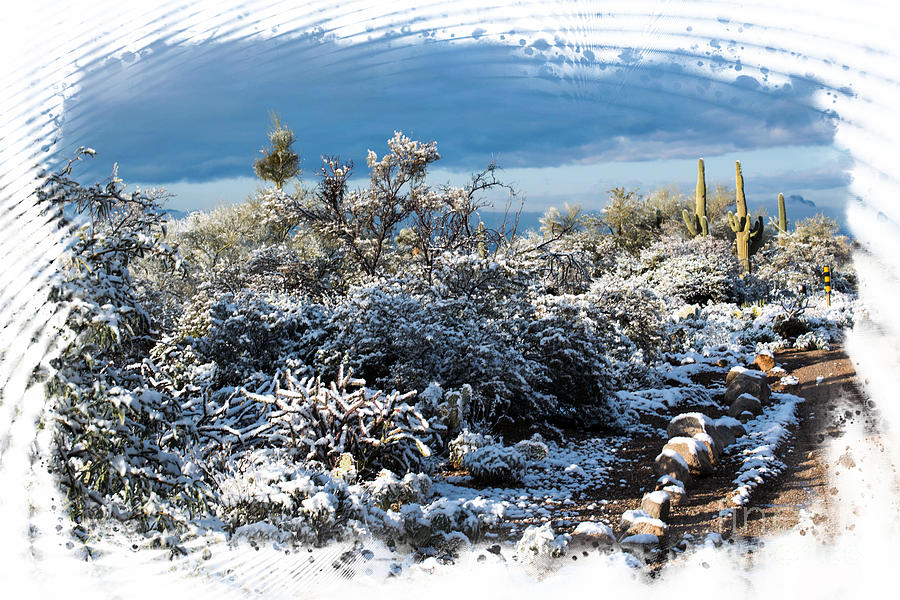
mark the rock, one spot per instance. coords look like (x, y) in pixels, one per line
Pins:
(665, 480)
(764, 360)
(676, 493)
(729, 429)
(657, 504)
(647, 525)
(713, 448)
(745, 403)
(639, 544)
(694, 453)
(630, 516)
(687, 424)
(590, 535)
(669, 462)
(744, 381)
(746, 416)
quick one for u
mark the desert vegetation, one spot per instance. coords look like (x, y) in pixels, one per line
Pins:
(305, 365)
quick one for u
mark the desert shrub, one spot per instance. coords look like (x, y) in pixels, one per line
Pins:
(695, 271)
(495, 465)
(797, 258)
(118, 445)
(533, 449)
(386, 490)
(465, 443)
(265, 494)
(321, 422)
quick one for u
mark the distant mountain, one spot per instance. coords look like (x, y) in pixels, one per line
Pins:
(798, 199)
(175, 214)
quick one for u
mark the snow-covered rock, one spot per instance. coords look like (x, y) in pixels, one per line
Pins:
(693, 452)
(745, 403)
(764, 360)
(648, 525)
(745, 381)
(592, 535)
(630, 516)
(670, 462)
(657, 504)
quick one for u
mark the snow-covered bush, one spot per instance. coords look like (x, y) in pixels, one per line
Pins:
(797, 258)
(533, 449)
(694, 271)
(465, 443)
(119, 447)
(321, 422)
(298, 503)
(386, 490)
(495, 465)
(539, 543)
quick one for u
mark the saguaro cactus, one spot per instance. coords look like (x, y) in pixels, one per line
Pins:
(782, 214)
(749, 235)
(697, 223)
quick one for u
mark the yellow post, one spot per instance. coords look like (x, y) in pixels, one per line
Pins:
(827, 286)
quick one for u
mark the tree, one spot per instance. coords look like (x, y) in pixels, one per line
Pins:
(279, 162)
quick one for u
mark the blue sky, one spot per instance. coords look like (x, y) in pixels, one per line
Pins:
(566, 121)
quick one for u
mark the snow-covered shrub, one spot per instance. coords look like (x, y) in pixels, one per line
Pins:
(321, 422)
(495, 465)
(450, 408)
(245, 333)
(539, 543)
(812, 340)
(298, 503)
(694, 271)
(533, 449)
(465, 443)
(119, 448)
(797, 258)
(398, 339)
(387, 490)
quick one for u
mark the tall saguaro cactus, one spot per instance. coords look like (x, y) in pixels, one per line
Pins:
(782, 214)
(697, 223)
(749, 235)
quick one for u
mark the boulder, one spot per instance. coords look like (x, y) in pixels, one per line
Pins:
(657, 504)
(676, 493)
(694, 453)
(713, 448)
(647, 525)
(764, 361)
(639, 544)
(630, 516)
(591, 535)
(732, 425)
(745, 403)
(669, 462)
(745, 381)
(665, 480)
(688, 424)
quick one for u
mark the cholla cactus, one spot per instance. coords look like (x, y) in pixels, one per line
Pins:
(749, 236)
(698, 224)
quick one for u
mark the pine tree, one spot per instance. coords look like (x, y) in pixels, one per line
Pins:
(279, 162)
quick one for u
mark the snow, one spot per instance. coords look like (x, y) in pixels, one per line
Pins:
(758, 449)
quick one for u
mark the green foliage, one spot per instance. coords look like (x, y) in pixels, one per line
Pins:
(279, 162)
(633, 222)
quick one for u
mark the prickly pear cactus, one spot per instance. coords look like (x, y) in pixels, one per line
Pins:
(697, 223)
(749, 236)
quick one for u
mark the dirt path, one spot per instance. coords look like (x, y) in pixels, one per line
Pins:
(827, 381)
